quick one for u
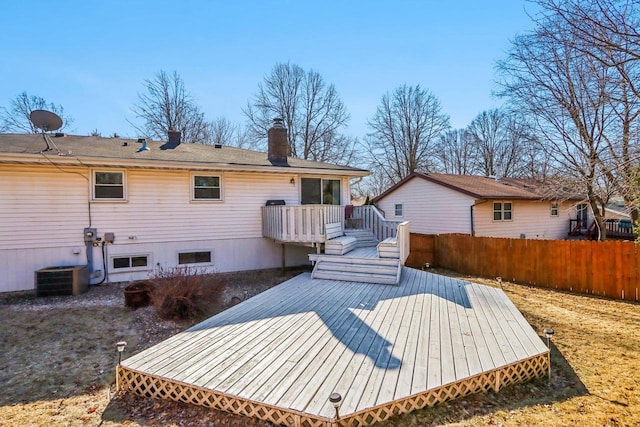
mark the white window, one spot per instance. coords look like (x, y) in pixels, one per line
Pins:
(398, 209)
(502, 211)
(316, 191)
(206, 187)
(130, 262)
(109, 185)
(194, 257)
(554, 209)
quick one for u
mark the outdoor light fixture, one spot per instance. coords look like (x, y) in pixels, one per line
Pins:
(335, 400)
(549, 333)
(120, 346)
(293, 181)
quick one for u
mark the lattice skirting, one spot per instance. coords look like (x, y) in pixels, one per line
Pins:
(147, 385)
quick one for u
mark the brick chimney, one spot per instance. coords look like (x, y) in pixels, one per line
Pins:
(278, 144)
(174, 136)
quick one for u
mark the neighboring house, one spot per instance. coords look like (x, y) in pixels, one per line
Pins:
(481, 206)
(76, 200)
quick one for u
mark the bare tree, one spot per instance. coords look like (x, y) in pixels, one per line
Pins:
(373, 185)
(565, 92)
(222, 131)
(167, 105)
(405, 127)
(455, 153)
(498, 141)
(16, 117)
(312, 112)
(607, 31)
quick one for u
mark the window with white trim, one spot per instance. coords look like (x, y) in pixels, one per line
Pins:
(194, 257)
(317, 191)
(554, 209)
(130, 262)
(109, 185)
(502, 211)
(206, 187)
(398, 209)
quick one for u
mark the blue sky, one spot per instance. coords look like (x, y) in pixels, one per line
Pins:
(93, 57)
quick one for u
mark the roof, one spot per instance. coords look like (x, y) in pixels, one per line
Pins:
(123, 152)
(483, 187)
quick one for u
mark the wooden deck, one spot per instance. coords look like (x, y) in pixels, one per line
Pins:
(386, 349)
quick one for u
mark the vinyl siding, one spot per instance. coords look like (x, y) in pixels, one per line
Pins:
(43, 211)
(431, 208)
(530, 218)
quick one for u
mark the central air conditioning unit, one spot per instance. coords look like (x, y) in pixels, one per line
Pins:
(64, 280)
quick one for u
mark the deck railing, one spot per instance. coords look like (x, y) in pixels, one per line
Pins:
(375, 221)
(299, 223)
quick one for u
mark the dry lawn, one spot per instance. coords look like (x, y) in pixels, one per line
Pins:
(57, 359)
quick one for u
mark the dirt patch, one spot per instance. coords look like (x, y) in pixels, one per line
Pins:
(57, 359)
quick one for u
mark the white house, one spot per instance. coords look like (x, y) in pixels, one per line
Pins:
(127, 207)
(481, 206)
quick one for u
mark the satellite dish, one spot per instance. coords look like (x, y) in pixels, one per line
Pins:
(45, 120)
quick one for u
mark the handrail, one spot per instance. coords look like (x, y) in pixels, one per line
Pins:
(299, 223)
(375, 221)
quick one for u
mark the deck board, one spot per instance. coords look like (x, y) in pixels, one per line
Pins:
(293, 345)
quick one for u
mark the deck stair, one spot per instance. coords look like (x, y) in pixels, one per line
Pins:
(364, 236)
(367, 270)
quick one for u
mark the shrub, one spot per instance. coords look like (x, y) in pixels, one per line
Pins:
(183, 293)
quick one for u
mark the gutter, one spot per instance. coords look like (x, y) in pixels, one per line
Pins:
(162, 164)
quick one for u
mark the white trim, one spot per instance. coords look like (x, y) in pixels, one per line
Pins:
(192, 176)
(105, 170)
(147, 267)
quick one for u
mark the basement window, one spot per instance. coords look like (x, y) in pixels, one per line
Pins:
(130, 262)
(199, 257)
(502, 211)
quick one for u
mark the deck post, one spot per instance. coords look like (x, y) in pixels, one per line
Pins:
(284, 261)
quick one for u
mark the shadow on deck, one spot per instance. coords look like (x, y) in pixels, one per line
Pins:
(386, 349)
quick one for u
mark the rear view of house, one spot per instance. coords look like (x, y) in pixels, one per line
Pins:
(481, 206)
(126, 207)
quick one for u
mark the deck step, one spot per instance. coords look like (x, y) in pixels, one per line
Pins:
(358, 268)
(364, 236)
(381, 271)
(347, 260)
(382, 279)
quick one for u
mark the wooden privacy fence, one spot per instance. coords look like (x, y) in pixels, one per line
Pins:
(610, 269)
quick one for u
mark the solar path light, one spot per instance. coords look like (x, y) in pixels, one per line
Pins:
(335, 400)
(549, 333)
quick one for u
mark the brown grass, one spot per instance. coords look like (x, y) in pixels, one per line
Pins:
(56, 367)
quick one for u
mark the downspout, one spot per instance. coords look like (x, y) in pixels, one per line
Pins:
(471, 215)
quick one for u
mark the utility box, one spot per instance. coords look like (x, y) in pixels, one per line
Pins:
(63, 280)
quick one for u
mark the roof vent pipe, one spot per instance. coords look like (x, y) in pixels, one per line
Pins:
(144, 145)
